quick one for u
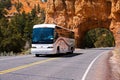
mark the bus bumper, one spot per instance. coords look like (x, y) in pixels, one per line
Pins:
(42, 51)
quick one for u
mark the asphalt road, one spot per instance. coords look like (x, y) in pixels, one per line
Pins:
(78, 66)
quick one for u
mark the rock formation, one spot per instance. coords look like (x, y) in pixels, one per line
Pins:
(115, 23)
(27, 6)
(79, 15)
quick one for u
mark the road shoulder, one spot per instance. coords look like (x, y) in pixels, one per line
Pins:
(100, 69)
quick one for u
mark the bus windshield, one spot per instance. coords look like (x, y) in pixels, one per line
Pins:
(43, 36)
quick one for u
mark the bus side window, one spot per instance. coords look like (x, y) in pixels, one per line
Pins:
(56, 36)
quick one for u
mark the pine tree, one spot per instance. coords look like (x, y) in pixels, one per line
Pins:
(18, 6)
(16, 32)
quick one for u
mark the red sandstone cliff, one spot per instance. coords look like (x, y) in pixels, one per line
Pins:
(75, 12)
(115, 23)
(80, 15)
(27, 5)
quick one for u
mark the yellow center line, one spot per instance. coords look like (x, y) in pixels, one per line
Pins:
(25, 66)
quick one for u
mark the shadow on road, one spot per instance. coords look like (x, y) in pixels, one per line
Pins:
(61, 55)
(110, 48)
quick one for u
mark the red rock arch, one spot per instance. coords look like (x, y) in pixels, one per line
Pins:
(90, 24)
(83, 15)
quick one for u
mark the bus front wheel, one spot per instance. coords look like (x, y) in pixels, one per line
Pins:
(58, 49)
(71, 50)
(37, 55)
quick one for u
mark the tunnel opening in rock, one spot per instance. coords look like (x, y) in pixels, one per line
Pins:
(98, 37)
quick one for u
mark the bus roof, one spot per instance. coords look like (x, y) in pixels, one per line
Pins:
(44, 25)
(49, 26)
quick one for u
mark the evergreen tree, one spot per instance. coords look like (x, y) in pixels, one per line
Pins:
(18, 6)
(18, 30)
(38, 8)
(7, 4)
(34, 12)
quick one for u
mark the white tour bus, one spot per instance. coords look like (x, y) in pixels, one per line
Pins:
(52, 39)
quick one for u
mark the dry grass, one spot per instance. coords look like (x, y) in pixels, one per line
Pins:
(115, 64)
(25, 52)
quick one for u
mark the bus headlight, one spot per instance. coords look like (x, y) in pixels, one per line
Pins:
(50, 47)
(34, 47)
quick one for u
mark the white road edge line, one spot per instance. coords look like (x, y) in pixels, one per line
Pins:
(90, 65)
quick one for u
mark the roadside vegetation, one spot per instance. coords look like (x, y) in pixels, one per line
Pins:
(15, 31)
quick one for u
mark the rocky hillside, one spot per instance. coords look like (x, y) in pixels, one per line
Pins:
(24, 5)
(72, 13)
